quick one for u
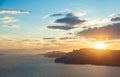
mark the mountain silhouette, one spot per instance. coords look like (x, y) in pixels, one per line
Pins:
(91, 56)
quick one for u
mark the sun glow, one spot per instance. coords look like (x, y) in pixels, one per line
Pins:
(100, 45)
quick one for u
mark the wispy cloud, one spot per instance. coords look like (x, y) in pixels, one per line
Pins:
(8, 19)
(54, 15)
(10, 26)
(49, 38)
(10, 11)
(64, 13)
(97, 22)
(62, 27)
(67, 38)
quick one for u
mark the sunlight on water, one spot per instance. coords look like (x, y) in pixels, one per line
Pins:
(39, 66)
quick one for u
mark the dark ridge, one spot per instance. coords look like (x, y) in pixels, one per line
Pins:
(91, 56)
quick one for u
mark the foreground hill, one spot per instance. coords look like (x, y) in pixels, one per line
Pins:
(91, 56)
(54, 54)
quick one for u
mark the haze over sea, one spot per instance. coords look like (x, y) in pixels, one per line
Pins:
(32, 27)
(39, 66)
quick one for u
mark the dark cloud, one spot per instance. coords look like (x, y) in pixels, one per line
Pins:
(67, 27)
(58, 14)
(66, 38)
(25, 40)
(69, 21)
(101, 33)
(28, 40)
(52, 41)
(115, 19)
(55, 15)
(49, 38)
(36, 40)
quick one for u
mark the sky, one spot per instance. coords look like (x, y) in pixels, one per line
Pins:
(38, 26)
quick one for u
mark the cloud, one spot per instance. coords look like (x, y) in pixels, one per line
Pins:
(67, 38)
(69, 21)
(64, 14)
(53, 15)
(114, 15)
(96, 22)
(66, 27)
(50, 38)
(58, 14)
(11, 26)
(115, 19)
(9, 11)
(8, 19)
(101, 33)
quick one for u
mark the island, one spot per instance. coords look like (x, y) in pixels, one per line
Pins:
(1, 54)
(54, 54)
(91, 56)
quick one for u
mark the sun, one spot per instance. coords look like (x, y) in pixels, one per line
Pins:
(100, 45)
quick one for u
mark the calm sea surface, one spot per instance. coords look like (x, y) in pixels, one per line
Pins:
(39, 66)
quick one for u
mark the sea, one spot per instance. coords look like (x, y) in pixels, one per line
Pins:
(40, 66)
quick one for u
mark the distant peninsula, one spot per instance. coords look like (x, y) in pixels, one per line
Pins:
(1, 54)
(91, 56)
(54, 54)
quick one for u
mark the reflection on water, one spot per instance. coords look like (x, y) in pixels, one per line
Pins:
(39, 66)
